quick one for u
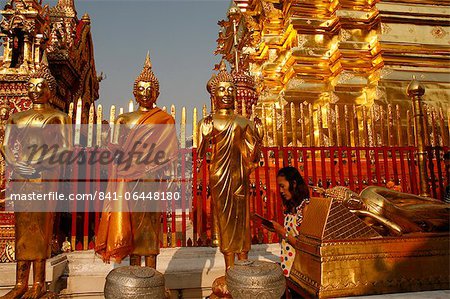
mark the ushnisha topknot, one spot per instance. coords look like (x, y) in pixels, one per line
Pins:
(147, 75)
(43, 71)
(222, 76)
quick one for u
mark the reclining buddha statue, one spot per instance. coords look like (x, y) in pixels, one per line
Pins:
(391, 212)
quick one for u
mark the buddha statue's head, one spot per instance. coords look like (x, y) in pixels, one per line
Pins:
(41, 84)
(146, 86)
(222, 89)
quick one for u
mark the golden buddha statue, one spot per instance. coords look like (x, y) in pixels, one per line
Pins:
(137, 233)
(391, 212)
(34, 230)
(235, 144)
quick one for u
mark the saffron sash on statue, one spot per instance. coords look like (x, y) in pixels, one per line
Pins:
(114, 237)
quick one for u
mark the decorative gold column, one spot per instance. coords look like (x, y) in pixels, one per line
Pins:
(415, 92)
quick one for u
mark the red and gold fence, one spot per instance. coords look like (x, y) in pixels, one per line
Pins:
(332, 145)
(354, 167)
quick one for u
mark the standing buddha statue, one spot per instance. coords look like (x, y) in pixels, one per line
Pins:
(34, 230)
(137, 233)
(235, 142)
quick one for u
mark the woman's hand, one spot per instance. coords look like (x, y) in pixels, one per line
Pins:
(279, 229)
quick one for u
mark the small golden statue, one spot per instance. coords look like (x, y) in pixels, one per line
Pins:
(137, 233)
(235, 144)
(34, 230)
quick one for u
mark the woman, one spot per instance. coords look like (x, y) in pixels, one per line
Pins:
(295, 196)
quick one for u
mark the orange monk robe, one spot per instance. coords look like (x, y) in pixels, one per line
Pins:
(119, 234)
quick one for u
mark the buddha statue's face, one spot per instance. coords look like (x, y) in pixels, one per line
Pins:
(145, 94)
(225, 95)
(39, 90)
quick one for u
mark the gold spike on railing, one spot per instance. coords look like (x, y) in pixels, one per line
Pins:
(320, 125)
(409, 134)
(382, 129)
(164, 108)
(283, 126)
(371, 127)
(293, 124)
(130, 105)
(99, 125)
(274, 125)
(399, 126)
(442, 127)
(425, 124)
(302, 126)
(264, 124)
(90, 132)
(311, 125)
(390, 126)
(330, 125)
(355, 127)
(112, 119)
(78, 122)
(194, 128)
(183, 128)
(365, 126)
(173, 111)
(347, 128)
(433, 128)
(121, 111)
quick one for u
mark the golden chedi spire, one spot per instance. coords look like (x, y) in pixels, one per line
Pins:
(147, 75)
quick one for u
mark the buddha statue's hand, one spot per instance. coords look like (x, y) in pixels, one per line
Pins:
(258, 122)
(25, 169)
(207, 126)
(258, 126)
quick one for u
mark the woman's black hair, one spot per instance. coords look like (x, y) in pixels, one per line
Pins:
(301, 191)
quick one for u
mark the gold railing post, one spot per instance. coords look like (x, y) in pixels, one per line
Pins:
(415, 92)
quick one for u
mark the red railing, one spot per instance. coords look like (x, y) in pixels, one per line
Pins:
(354, 167)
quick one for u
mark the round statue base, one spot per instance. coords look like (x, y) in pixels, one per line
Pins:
(255, 279)
(134, 282)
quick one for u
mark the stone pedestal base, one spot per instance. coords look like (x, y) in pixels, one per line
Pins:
(54, 271)
(189, 271)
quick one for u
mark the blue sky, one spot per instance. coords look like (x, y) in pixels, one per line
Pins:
(180, 35)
